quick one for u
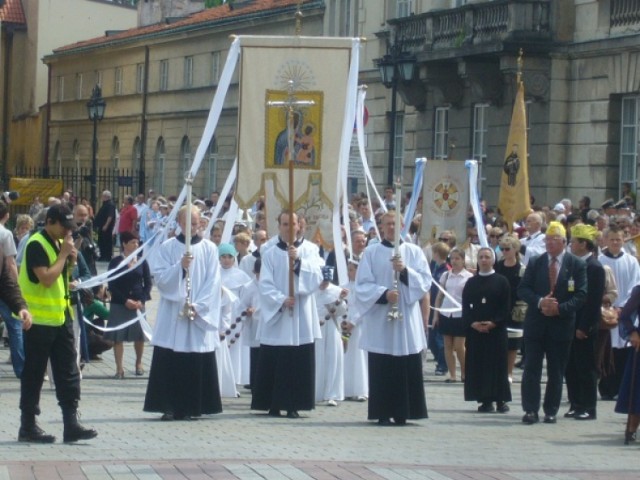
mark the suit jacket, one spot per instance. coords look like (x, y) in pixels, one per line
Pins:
(570, 291)
(9, 290)
(588, 317)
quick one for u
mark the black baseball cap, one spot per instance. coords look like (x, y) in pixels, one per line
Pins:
(61, 213)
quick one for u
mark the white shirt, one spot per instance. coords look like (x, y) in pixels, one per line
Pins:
(454, 283)
(535, 246)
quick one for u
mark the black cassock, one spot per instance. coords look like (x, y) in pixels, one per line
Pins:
(486, 298)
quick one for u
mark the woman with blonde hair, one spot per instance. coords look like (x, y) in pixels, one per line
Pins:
(448, 316)
(511, 267)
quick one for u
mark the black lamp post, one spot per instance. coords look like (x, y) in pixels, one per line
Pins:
(395, 66)
(95, 110)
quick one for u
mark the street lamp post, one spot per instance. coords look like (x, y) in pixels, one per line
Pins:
(397, 65)
(95, 109)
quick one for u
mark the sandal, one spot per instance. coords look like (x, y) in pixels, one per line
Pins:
(119, 376)
(139, 372)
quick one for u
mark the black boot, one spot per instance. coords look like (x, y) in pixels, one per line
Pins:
(31, 432)
(73, 430)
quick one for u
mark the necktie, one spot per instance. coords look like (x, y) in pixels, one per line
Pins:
(553, 273)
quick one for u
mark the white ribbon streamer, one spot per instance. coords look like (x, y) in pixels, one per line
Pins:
(141, 317)
(348, 120)
(474, 199)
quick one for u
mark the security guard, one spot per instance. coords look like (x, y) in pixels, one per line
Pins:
(44, 280)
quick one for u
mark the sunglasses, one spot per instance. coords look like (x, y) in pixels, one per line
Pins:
(495, 236)
(441, 239)
(505, 249)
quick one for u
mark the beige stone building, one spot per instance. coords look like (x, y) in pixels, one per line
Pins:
(580, 72)
(158, 81)
(29, 30)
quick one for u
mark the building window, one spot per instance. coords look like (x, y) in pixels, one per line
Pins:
(188, 71)
(140, 78)
(78, 86)
(212, 160)
(630, 127)
(160, 157)
(479, 147)
(136, 159)
(164, 75)
(76, 156)
(118, 84)
(185, 154)
(215, 68)
(398, 146)
(60, 88)
(404, 8)
(57, 154)
(441, 140)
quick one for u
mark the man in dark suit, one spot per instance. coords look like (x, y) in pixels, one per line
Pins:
(554, 287)
(581, 374)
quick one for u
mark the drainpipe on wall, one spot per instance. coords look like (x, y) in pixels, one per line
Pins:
(47, 127)
(6, 99)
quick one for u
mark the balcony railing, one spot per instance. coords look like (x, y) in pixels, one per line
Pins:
(475, 24)
(625, 13)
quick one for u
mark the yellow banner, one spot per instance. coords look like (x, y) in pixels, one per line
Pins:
(30, 188)
(514, 201)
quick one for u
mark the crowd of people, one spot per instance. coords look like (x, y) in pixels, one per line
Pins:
(273, 315)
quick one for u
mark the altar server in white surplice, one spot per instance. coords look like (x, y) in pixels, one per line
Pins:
(356, 373)
(183, 381)
(396, 389)
(248, 310)
(289, 325)
(226, 376)
(332, 311)
(235, 280)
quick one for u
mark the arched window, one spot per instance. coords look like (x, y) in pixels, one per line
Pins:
(185, 155)
(136, 156)
(76, 157)
(159, 166)
(212, 166)
(57, 156)
(115, 165)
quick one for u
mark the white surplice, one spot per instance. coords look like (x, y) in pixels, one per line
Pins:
(375, 276)
(226, 376)
(171, 330)
(235, 279)
(356, 371)
(282, 326)
(328, 349)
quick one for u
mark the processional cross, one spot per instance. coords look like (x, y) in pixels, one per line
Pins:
(289, 106)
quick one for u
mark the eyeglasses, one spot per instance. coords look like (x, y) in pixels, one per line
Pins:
(505, 249)
(442, 239)
(494, 236)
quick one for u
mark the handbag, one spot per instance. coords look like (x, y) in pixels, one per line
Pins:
(608, 318)
(519, 311)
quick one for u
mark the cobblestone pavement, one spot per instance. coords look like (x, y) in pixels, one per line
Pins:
(328, 443)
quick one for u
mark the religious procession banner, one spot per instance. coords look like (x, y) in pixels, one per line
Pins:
(293, 92)
(514, 201)
(445, 198)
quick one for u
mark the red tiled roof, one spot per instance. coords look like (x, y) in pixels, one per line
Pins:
(206, 16)
(12, 12)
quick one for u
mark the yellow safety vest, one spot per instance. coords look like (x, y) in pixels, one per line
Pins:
(46, 304)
